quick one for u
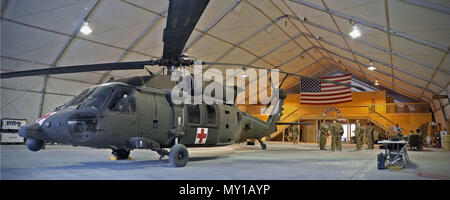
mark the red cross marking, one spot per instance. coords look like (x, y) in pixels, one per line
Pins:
(201, 135)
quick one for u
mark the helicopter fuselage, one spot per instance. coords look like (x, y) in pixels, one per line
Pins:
(122, 116)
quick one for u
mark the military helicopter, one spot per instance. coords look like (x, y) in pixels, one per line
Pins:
(138, 112)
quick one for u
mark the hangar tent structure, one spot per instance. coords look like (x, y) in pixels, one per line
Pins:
(406, 41)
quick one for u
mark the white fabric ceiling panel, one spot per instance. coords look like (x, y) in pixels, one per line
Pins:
(24, 83)
(87, 77)
(117, 23)
(302, 40)
(369, 51)
(65, 87)
(284, 53)
(238, 25)
(338, 51)
(267, 7)
(152, 43)
(416, 90)
(387, 80)
(303, 11)
(61, 15)
(208, 48)
(435, 88)
(430, 25)
(52, 101)
(297, 63)
(237, 56)
(377, 65)
(82, 52)
(352, 65)
(367, 34)
(410, 78)
(288, 27)
(265, 41)
(8, 64)
(311, 70)
(442, 78)
(416, 51)
(31, 44)
(214, 10)
(331, 37)
(153, 5)
(20, 105)
(370, 10)
(412, 67)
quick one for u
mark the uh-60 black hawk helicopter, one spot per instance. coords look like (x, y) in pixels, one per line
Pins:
(138, 112)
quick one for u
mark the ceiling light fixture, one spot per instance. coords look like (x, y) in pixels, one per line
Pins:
(85, 29)
(355, 32)
(371, 67)
(244, 75)
(376, 82)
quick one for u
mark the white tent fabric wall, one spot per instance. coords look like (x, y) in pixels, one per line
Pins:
(34, 34)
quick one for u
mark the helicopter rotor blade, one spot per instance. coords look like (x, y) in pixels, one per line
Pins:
(181, 20)
(79, 68)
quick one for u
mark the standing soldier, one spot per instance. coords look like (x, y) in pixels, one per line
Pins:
(332, 130)
(323, 135)
(294, 130)
(339, 133)
(369, 135)
(421, 139)
(358, 135)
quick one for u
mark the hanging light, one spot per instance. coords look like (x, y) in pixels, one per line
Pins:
(376, 82)
(244, 75)
(85, 29)
(371, 67)
(355, 32)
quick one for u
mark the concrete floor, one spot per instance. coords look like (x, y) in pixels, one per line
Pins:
(238, 161)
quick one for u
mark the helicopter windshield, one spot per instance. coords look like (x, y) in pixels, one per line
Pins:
(93, 97)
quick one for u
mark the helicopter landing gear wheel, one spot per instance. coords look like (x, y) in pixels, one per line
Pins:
(263, 146)
(178, 155)
(121, 154)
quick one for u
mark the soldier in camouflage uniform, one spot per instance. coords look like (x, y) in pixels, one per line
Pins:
(294, 131)
(323, 135)
(369, 135)
(336, 137)
(358, 135)
(339, 133)
(332, 130)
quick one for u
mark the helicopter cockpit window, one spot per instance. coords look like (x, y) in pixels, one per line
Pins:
(93, 97)
(211, 114)
(193, 113)
(124, 102)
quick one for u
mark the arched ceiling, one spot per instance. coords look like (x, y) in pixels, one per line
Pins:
(408, 40)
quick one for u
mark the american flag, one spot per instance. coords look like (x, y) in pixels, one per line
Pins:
(316, 92)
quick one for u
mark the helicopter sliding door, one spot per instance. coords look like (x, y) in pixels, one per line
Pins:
(154, 116)
(200, 125)
(119, 117)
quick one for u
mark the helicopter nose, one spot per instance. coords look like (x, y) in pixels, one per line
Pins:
(31, 131)
(55, 129)
(34, 135)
